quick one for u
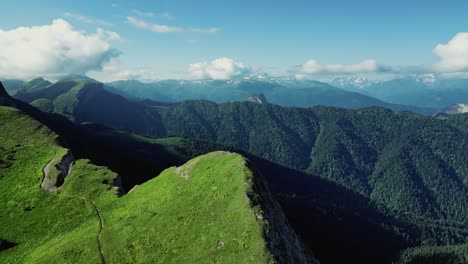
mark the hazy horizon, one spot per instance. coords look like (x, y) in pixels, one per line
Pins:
(157, 40)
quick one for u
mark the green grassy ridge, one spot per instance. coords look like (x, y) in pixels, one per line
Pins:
(62, 226)
(326, 207)
(201, 203)
(93, 141)
(36, 89)
(43, 104)
(85, 100)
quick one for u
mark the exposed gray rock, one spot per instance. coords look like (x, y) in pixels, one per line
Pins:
(56, 171)
(257, 98)
(282, 241)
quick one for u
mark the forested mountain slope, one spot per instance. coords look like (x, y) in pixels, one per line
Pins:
(409, 162)
(336, 208)
(82, 220)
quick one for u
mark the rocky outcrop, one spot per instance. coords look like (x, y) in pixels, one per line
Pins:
(56, 171)
(118, 186)
(451, 110)
(257, 98)
(282, 241)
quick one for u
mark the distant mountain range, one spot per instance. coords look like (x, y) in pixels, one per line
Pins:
(422, 94)
(398, 178)
(299, 93)
(427, 90)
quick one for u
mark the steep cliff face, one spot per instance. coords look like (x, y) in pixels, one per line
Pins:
(214, 208)
(283, 243)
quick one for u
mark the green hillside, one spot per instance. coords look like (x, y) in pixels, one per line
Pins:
(339, 195)
(81, 98)
(325, 201)
(37, 88)
(64, 225)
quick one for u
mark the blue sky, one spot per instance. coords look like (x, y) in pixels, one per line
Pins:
(277, 37)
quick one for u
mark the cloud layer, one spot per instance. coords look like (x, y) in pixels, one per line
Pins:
(140, 23)
(86, 19)
(218, 69)
(154, 15)
(53, 51)
(453, 55)
(113, 71)
(314, 67)
(159, 28)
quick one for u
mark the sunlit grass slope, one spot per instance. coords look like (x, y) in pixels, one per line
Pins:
(201, 212)
(46, 227)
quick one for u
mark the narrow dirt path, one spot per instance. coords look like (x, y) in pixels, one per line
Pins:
(101, 227)
(96, 209)
(101, 224)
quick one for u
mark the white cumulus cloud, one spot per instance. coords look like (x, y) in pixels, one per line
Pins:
(53, 51)
(453, 55)
(113, 71)
(218, 69)
(312, 67)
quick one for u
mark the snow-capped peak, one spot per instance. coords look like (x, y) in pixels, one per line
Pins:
(260, 76)
(354, 82)
(427, 78)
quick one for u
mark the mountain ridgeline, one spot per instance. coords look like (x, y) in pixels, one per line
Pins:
(138, 159)
(398, 178)
(299, 93)
(208, 218)
(422, 91)
(373, 151)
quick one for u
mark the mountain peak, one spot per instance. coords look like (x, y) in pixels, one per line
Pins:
(38, 79)
(428, 78)
(352, 82)
(80, 77)
(257, 98)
